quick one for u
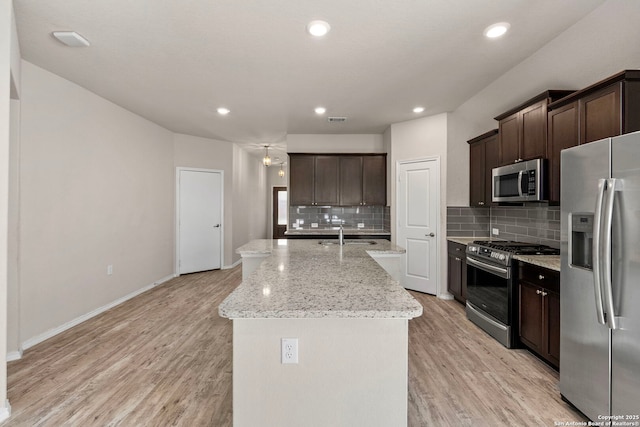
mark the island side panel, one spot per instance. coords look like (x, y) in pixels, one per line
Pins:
(350, 372)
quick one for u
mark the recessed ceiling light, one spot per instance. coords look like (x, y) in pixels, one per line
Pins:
(320, 110)
(223, 111)
(496, 30)
(318, 28)
(71, 38)
(418, 109)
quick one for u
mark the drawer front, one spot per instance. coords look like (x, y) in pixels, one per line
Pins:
(539, 276)
(457, 249)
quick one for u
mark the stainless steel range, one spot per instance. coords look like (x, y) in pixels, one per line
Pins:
(492, 297)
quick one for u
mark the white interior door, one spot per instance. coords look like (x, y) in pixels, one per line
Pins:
(199, 220)
(418, 209)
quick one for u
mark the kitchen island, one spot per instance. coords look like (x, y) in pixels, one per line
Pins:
(350, 319)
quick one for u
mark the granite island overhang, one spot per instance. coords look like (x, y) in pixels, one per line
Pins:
(351, 322)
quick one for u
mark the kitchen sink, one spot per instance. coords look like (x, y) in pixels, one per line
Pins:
(347, 242)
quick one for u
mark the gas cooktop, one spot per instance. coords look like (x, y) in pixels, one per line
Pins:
(518, 248)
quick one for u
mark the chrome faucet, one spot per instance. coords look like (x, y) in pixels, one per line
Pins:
(341, 236)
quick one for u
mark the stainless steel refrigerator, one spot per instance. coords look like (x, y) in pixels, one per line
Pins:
(600, 277)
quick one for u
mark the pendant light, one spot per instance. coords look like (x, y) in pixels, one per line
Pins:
(281, 171)
(266, 160)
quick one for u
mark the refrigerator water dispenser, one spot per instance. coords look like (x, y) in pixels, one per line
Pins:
(581, 254)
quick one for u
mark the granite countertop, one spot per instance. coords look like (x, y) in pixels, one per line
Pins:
(335, 231)
(552, 262)
(303, 279)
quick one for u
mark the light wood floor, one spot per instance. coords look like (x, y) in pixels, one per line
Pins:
(164, 358)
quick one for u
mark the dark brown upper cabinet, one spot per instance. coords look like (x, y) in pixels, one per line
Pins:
(338, 179)
(374, 180)
(523, 129)
(301, 179)
(313, 180)
(350, 180)
(608, 108)
(563, 133)
(483, 157)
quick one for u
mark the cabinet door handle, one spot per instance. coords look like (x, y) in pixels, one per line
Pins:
(544, 294)
(458, 249)
(458, 259)
(364, 203)
(481, 203)
(541, 277)
(538, 291)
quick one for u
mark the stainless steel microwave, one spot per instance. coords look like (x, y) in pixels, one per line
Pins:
(519, 182)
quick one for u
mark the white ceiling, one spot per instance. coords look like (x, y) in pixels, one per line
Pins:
(176, 62)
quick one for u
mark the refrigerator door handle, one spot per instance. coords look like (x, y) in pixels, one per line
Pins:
(597, 273)
(606, 253)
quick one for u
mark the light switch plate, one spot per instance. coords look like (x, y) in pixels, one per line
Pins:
(495, 231)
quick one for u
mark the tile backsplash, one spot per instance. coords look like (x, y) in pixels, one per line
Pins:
(468, 222)
(534, 224)
(373, 217)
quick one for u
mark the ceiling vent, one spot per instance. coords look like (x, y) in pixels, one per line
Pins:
(71, 38)
(336, 119)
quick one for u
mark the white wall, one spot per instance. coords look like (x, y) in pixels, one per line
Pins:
(196, 152)
(600, 45)
(273, 180)
(249, 198)
(97, 188)
(331, 143)
(13, 278)
(6, 16)
(417, 139)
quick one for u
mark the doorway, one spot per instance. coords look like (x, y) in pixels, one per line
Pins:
(280, 204)
(418, 222)
(199, 224)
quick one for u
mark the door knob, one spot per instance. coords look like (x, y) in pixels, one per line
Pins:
(430, 235)
(216, 226)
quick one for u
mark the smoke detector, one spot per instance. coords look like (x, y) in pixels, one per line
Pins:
(336, 119)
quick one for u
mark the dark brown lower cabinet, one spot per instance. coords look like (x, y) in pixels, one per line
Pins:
(457, 267)
(539, 325)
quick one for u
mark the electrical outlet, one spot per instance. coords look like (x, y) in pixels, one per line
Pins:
(495, 231)
(361, 225)
(289, 350)
(109, 270)
(314, 225)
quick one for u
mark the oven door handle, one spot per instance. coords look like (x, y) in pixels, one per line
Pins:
(503, 272)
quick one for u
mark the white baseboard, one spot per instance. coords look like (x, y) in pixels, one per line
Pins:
(5, 412)
(235, 264)
(55, 331)
(14, 355)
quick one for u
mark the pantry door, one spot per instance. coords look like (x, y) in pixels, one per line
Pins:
(199, 220)
(418, 208)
